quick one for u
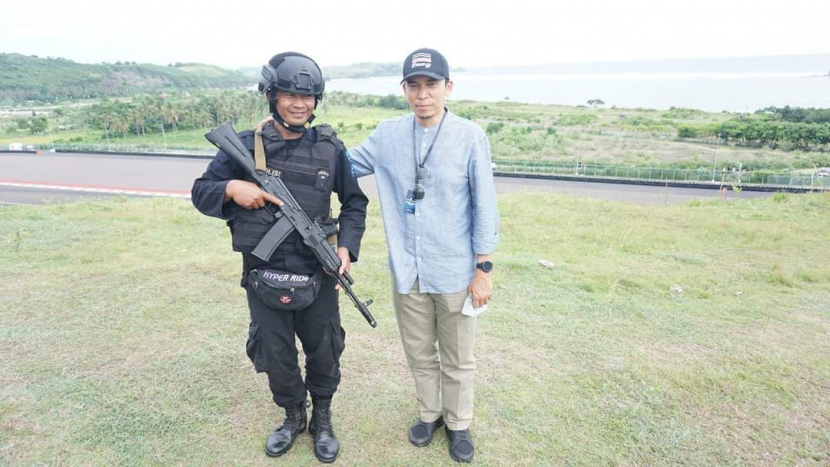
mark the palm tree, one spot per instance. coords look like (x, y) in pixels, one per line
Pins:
(106, 115)
(172, 113)
(137, 119)
(157, 106)
(201, 117)
(224, 108)
(119, 124)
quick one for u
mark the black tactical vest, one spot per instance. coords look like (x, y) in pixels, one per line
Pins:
(308, 172)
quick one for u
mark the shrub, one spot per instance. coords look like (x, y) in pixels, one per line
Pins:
(681, 112)
(572, 120)
(688, 131)
(494, 127)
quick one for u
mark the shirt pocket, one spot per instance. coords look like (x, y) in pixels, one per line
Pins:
(450, 184)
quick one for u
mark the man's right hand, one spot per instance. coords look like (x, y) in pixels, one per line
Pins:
(248, 195)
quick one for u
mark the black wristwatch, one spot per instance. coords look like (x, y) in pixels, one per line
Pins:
(485, 266)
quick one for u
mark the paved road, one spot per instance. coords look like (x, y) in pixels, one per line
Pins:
(57, 177)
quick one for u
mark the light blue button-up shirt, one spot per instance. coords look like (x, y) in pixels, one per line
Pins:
(456, 220)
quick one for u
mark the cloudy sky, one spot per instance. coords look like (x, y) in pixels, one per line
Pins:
(469, 33)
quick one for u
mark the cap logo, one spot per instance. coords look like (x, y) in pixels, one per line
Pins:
(422, 59)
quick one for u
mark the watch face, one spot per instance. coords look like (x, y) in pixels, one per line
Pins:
(486, 266)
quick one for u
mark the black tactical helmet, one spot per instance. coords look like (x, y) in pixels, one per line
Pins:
(293, 72)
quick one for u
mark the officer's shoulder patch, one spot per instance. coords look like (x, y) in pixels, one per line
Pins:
(348, 156)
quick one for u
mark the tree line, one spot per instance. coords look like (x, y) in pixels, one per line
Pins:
(158, 113)
(796, 114)
(162, 113)
(360, 100)
(155, 113)
(759, 132)
(776, 127)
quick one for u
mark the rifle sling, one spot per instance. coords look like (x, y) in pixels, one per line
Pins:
(259, 148)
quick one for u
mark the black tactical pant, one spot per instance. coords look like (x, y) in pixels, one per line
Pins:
(271, 345)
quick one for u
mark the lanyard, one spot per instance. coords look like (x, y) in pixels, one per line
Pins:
(435, 138)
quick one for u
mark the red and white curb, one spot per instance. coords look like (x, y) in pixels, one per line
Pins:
(98, 189)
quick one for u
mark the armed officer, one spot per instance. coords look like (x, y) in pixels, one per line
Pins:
(289, 294)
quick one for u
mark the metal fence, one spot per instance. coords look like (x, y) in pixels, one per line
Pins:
(124, 149)
(725, 177)
(530, 167)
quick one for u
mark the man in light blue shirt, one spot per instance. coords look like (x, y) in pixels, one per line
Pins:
(435, 182)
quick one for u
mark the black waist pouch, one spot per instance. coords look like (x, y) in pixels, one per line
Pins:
(284, 290)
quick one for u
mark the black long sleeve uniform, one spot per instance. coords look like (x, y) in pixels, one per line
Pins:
(208, 195)
(271, 335)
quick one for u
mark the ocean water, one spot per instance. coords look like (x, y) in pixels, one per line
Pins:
(714, 92)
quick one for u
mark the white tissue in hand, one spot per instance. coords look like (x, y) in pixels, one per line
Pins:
(469, 309)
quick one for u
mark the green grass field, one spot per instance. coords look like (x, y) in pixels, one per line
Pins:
(123, 327)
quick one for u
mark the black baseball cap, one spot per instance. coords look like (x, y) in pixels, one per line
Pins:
(425, 62)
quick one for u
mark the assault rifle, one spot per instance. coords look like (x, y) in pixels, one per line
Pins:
(290, 217)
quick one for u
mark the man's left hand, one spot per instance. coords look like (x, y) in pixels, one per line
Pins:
(345, 262)
(481, 288)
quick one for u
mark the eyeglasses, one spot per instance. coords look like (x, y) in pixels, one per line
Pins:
(421, 174)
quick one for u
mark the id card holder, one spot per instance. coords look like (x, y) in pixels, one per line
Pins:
(409, 203)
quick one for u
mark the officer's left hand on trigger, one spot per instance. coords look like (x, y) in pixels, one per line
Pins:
(345, 262)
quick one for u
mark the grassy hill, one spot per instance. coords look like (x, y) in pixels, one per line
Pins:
(29, 78)
(362, 70)
(355, 70)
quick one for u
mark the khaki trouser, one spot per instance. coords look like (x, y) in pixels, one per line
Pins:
(432, 325)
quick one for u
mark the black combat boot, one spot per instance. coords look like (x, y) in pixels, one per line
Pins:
(283, 437)
(326, 446)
